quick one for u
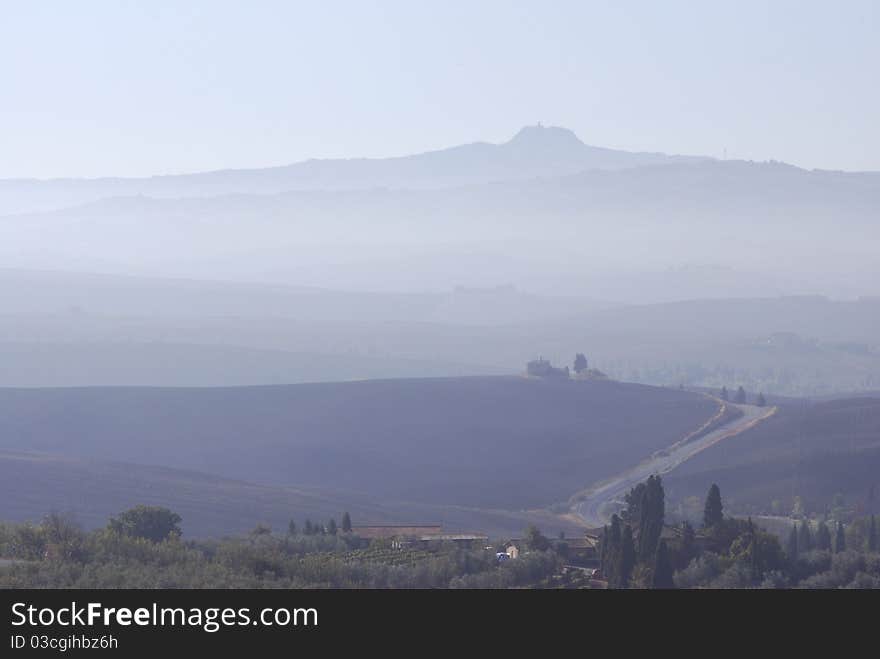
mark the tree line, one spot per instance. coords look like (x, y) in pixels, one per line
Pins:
(638, 550)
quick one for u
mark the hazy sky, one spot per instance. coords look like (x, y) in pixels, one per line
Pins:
(136, 88)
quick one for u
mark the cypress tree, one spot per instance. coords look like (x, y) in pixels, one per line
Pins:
(792, 547)
(662, 578)
(823, 537)
(724, 395)
(291, 528)
(840, 544)
(346, 522)
(331, 527)
(872, 535)
(740, 396)
(713, 513)
(307, 527)
(603, 550)
(653, 511)
(612, 550)
(761, 401)
(805, 538)
(627, 559)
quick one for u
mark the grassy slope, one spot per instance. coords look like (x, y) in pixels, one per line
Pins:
(809, 450)
(32, 485)
(489, 442)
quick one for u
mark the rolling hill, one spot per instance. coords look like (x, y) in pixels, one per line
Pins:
(809, 450)
(496, 443)
(91, 491)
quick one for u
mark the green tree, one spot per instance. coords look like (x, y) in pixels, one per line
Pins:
(63, 537)
(761, 401)
(740, 396)
(346, 522)
(632, 512)
(611, 554)
(872, 536)
(662, 577)
(152, 523)
(580, 363)
(331, 527)
(535, 540)
(713, 513)
(291, 528)
(840, 542)
(653, 509)
(308, 529)
(724, 395)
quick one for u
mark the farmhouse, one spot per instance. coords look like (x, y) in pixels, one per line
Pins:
(542, 368)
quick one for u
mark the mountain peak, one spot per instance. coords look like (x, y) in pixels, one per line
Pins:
(546, 137)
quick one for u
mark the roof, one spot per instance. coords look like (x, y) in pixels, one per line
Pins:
(395, 531)
(454, 536)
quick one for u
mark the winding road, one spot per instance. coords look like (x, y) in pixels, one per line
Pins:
(596, 504)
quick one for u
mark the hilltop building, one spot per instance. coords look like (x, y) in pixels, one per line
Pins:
(542, 368)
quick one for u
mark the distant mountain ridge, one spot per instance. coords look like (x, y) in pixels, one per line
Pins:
(535, 151)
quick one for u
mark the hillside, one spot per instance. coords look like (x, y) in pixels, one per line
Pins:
(543, 234)
(74, 329)
(91, 491)
(166, 363)
(479, 442)
(813, 451)
(533, 151)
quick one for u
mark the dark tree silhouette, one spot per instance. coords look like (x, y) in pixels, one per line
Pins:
(346, 522)
(713, 513)
(724, 394)
(651, 518)
(627, 559)
(580, 363)
(740, 396)
(662, 577)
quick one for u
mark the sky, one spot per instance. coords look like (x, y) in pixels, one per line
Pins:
(134, 88)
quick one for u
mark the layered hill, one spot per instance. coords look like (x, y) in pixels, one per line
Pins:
(534, 151)
(556, 233)
(476, 443)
